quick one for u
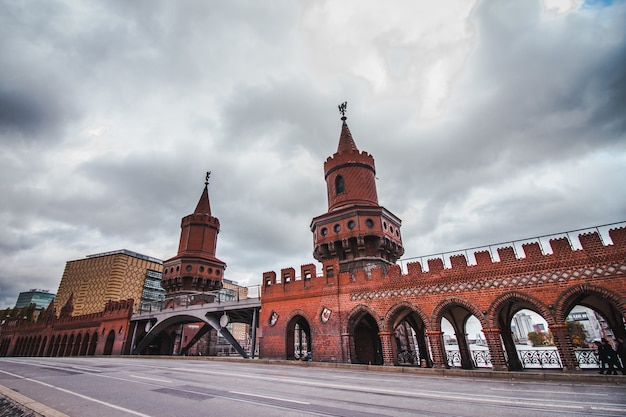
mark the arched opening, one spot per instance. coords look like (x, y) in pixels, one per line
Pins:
(298, 339)
(51, 346)
(533, 342)
(161, 344)
(42, 348)
(340, 185)
(77, 344)
(92, 344)
(410, 338)
(63, 346)
(366, 347)
(70, 346)
(108, 345)
(592, 314)
(37, 346)
(84, 345)
(57, 346)
(464, 342)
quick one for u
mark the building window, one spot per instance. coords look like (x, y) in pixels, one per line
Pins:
(337, 228)
(369, 223)
(351, 224)
(340, 185)
(324, 231)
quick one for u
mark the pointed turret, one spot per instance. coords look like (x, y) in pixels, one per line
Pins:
(204, 206)
(346, 143)
(68, 308)
(355, 230)
(195, 269)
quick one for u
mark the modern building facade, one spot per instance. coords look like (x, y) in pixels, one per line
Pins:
(109, 276)
(41, 298)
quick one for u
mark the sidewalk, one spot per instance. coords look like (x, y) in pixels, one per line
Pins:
(14, 404)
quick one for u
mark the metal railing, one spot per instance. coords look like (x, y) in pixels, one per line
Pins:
(530, 358)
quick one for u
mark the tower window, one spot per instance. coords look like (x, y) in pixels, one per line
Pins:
(369, 223)
(340, 185)
(351, 224)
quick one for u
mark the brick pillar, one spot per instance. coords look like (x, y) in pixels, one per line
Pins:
(388, 347)
(565, 348)
(345, 348)
(464, 351)
(498, 360)
(437, 349)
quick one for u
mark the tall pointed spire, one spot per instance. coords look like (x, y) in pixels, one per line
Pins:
(346, 143)
(204, 206)
(195, 269)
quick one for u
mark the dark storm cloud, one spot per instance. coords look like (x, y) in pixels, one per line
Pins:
(112, 112)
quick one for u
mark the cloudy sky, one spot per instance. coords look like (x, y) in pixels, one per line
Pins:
(489, 121)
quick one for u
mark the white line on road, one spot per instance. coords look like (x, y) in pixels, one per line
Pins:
(546, 392)
(116, 407)
(151, 379)
(265, 397)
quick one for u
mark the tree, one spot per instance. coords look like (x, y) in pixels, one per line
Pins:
(577, 333)
(537, 339)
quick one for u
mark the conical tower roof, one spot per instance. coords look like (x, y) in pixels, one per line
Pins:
(204, 206)
(346, 142)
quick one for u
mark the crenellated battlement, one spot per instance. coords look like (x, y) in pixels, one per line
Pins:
(289, 283)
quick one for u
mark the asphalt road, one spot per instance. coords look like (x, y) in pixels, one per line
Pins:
(173, 387)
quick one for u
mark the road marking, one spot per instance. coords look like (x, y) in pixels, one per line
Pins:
(265, 397)
(419, 394)
(621, 410)
(546, 392)
(85, 397)
(151, 379)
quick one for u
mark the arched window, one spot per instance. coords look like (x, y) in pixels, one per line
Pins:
(340, 186)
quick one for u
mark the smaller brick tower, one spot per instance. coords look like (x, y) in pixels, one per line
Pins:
(195, 269)
(355, 230)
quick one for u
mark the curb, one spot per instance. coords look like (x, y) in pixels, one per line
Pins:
(24, 401)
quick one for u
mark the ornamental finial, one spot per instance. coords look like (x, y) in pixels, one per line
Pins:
(342, 109)
(206, 180)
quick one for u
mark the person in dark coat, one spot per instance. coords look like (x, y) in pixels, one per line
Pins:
(609, 357)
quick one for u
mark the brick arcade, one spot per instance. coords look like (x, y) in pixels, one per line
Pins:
(360, 307)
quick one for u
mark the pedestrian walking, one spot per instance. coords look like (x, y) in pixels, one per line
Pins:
(609, 357)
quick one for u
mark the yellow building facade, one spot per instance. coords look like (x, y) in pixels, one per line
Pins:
(97, 279)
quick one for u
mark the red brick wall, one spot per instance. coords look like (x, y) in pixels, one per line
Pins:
(547, 282)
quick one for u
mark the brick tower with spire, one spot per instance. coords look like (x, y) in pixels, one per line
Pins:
(195, 270)
(356, 230)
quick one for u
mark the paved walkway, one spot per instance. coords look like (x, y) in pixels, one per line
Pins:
(14, 404)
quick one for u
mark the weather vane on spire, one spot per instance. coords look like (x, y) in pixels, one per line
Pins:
(342, 109)
(206, 180)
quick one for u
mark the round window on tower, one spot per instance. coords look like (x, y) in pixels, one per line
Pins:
(201, 269)
(337, 228)
(385, 225)
(324, 231)
(188, 268)
(217, 272)
(369, 223)
(351, 224)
